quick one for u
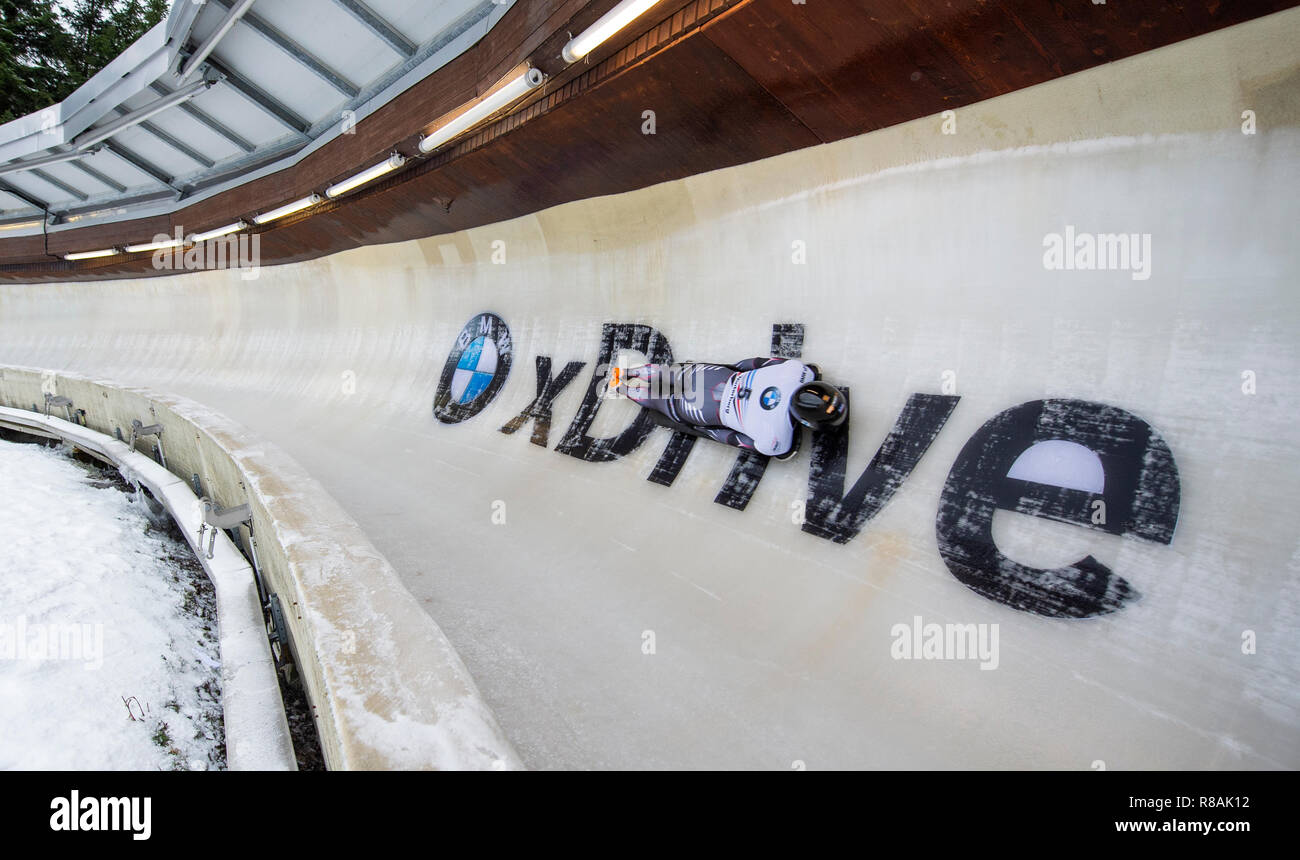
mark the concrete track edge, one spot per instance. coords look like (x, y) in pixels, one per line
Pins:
(379, 703)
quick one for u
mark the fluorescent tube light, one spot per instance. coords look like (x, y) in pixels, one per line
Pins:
(155, 246)
(87, 255)
(483, 108)
(393, 162)
(607, 25)
(287, 209)
(220, 231)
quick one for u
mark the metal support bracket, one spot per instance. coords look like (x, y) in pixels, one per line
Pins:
(279, 632)
(221, 518)
(139, 429)
(56, 400)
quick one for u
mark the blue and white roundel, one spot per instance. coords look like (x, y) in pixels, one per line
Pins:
(771, 397)
(477, 366)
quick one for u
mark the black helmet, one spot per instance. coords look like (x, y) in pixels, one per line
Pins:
(818, 404)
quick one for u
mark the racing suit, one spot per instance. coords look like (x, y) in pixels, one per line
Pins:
(746, 405)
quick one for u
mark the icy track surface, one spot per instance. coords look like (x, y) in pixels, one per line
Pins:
(98, 606)
(612, 621)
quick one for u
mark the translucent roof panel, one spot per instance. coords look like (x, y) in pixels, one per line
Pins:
(260, 62)
(34, 186)
(119, 171)
(283, 74)
(156, 153)
(13, 207)
(88, 183)
(239, 115)
(185, 131)
(424, 22)
(336, 38)
(133, 177)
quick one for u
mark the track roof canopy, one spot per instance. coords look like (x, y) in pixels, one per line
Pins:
(217, 94)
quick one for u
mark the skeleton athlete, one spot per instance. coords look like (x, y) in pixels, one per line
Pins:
(754, 404)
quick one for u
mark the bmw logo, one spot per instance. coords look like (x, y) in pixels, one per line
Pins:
(770, 397)
(475, 370)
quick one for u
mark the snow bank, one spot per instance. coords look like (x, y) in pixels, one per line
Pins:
(108, 646)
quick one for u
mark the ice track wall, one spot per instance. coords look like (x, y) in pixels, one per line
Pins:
(1087, 472)
(387, 689)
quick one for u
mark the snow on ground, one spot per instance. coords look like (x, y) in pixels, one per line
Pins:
(108, 636)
